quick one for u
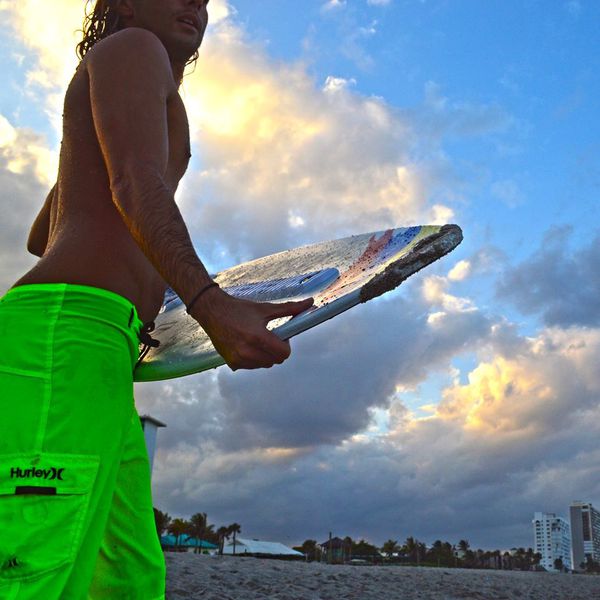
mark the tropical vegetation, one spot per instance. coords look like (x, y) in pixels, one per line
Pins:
(346, 550)
(417, 553)
(197, 528)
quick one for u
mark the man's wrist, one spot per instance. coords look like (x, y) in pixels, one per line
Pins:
(199, 294)
(205, 305)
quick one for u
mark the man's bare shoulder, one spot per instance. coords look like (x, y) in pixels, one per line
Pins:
(131, 47)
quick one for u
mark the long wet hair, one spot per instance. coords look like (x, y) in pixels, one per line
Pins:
(102, 21)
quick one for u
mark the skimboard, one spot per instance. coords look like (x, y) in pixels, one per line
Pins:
(338, 274)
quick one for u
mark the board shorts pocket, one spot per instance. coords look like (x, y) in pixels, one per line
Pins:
(44, 500)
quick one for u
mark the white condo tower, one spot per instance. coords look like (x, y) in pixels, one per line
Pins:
(552, 536)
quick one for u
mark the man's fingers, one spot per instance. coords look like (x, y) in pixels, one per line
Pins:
(286, 309)
(277, 349)
(270, 353)
(238, 329)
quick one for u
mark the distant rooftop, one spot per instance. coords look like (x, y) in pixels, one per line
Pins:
(247, 546)
(151, 419)
(169, 540)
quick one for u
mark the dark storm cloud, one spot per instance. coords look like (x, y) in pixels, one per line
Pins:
(337, 374)
(451, 489)
(341, 371)
(557, 282)
(432, 478)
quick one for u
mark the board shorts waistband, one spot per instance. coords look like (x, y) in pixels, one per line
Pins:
(82, 301)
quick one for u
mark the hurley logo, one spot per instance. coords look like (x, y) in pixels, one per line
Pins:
(32, 473)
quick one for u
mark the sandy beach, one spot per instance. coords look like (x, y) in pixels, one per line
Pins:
(192, 576)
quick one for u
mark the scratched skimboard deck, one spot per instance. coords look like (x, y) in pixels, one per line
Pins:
(338, 274)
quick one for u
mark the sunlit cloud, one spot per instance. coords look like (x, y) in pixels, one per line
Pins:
(24, 150)
(460, 271)
(273, 144)
(532, 392)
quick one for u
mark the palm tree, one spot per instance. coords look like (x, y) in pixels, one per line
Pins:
(197, 529)
(415, 549)
(234, 528)
(178, 527)
(310, 549)
(390, 547)
(161, 521)
(409, 547)
(222, 533)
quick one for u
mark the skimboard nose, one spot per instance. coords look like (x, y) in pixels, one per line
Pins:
(433, 243)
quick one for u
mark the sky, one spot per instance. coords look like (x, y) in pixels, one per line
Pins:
(452, 408)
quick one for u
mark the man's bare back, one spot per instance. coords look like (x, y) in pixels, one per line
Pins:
(111, 221)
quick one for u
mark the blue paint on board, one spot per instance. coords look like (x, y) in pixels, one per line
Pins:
(297, 286)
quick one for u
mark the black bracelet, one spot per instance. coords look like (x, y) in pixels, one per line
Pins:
(195, 298)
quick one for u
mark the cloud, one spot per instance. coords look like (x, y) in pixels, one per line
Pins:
(26, 168)
(25, 151)
(284, 161)
(292, 431)
(280, 160)
(443, 116)
(460, 271)
(539, 388)
(557, 282)
(526, 419)
(435, 293)
(48, 33)
(522, 418)
(333, 5)
(507, 191)
(320, 397)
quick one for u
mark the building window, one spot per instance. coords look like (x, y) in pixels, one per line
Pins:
(585, 518)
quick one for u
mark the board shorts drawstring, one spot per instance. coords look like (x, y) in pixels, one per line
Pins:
(147, 340)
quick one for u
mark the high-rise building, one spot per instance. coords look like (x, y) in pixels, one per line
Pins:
(585, 533)
(552, 537)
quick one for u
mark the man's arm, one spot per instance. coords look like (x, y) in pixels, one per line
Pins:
(38, 236)
(131, 82)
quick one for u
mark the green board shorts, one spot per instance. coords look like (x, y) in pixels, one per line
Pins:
(76, 518)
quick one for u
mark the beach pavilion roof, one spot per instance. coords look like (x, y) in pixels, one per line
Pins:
(248, 546)
(169, 540)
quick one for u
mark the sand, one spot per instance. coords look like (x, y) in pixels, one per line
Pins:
(233, 578)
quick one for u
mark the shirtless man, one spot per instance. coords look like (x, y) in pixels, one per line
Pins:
(74, 475)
